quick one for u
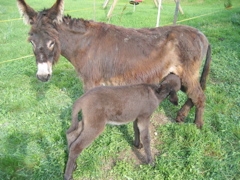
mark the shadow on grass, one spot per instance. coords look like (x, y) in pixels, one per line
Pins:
(66, 81)
(27, 156)
(65, 117)
(129, 138)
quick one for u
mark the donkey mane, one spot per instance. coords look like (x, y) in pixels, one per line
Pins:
(75, 24)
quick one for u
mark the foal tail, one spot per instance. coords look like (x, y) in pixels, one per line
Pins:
(75, 110)
(206, 68)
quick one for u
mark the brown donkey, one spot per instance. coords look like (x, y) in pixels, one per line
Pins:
(105, 54)
(116, 105)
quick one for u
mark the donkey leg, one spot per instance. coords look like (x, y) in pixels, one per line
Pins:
(87, 135)
(143, 125)
(199, 102)
(137, 143)
(197, 98)
(183, 112)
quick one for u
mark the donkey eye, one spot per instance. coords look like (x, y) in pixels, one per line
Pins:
(33, 44)
(30, 34)
(50, 45)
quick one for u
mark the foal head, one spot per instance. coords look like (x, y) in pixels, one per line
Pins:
(43, 35)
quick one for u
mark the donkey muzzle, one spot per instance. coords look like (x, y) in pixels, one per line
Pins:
(44, 71)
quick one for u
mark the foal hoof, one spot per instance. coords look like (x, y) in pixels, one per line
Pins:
(138, 146)
(151, 163)
(68, 178)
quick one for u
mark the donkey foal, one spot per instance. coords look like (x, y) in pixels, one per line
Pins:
(116, 105)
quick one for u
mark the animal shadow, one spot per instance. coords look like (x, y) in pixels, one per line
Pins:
(18, 160)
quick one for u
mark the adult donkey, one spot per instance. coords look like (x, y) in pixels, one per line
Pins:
(105, 54)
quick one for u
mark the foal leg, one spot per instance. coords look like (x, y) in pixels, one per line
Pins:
(87, 135)
(143, 125)
(73, 135)
(137, 143)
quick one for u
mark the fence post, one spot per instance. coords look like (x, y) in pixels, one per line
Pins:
(159, 10)
(176, 11)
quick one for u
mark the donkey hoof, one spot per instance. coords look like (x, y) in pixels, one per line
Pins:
(199, 125)
(180, 119)
(179, 122)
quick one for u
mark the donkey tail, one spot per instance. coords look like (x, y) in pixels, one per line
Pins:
(75, 110)
(206, 68)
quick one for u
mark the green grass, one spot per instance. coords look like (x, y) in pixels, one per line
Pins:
(34, 115)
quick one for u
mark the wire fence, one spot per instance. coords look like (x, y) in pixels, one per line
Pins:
(17, 19)
(27, 56)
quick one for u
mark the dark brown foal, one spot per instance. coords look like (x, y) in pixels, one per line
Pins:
(117, 105)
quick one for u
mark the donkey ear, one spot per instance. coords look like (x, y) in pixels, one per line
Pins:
(27, 12)
(56, 11)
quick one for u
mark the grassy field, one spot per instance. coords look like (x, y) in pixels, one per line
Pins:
(34, 116)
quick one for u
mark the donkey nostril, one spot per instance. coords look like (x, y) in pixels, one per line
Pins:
(43, 78)
(48, 76)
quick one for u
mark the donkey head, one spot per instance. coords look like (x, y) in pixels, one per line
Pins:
(43, 35)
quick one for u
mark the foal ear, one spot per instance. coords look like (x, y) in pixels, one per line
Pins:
(26, 12)
(159, 88)
(56, 11)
